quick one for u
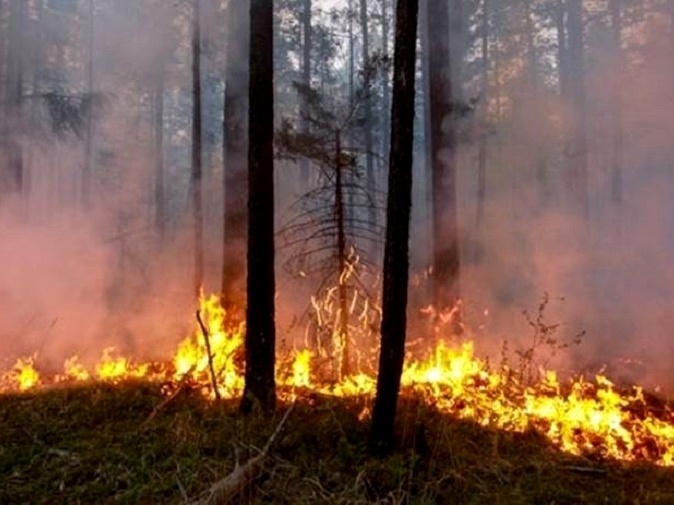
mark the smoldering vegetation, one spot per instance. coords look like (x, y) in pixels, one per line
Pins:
(85, 266)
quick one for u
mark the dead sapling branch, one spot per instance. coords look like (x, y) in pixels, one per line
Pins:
(238, 479)
(211, 368)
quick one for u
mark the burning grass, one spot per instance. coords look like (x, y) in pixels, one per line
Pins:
(583, 417)
(93, 444)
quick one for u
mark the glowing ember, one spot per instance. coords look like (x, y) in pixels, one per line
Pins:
(580, 417)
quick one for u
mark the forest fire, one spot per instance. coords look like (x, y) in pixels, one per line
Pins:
(582, 417)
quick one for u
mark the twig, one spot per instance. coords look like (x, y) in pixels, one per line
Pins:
(211, 368)
(182, 385)
(585, 469)
(226, 489)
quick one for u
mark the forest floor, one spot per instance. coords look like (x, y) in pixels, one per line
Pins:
(103, 443)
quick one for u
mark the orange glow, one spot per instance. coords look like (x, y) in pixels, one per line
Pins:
(587, 417)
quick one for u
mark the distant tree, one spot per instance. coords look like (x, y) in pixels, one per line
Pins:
(260, 384)
(235, 164)
(195, 179)
(396, 260)
(443, 160)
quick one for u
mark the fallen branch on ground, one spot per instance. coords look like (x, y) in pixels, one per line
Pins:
(226, 489)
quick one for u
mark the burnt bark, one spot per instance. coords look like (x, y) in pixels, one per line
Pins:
(235, 163)
(260, 385)
(396, 255)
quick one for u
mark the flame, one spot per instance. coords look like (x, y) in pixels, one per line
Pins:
(581, 416)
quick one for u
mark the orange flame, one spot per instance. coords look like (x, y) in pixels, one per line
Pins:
(580, 417)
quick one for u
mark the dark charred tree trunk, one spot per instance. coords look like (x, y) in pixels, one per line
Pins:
(396, 256)
(577, 174)
(159, 217)
(341, 258)
(195, 180)
(260, 384)
(443, 160)
(616, 105)
(235, 152)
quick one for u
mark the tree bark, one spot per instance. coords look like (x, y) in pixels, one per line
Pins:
(235, 163)
(482, 147)
(260, 344)
(89, 143)
(159, 217)
(306, 82)
(341, 259)
(195, 180)
(396, 255)
(443, 160)
(577, 174)
(367, 106)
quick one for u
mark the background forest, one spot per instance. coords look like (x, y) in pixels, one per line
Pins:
(560, 135)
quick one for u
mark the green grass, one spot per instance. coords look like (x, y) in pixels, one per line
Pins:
(92, 445)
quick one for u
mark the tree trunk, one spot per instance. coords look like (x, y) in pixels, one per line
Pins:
(385, 84)
(482, 148)
(260, 385)
(89, 143)
(616, 106)
(306, 82)
(159, 217)
(352, 55)
(195, 181)
(367, 106)
(396, 255)
(341, 260)
(443, 160)
(577, 174)
(235, 163)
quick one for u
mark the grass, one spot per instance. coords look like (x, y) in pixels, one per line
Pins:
(93, 445)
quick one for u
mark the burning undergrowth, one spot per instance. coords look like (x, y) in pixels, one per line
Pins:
(581, 416)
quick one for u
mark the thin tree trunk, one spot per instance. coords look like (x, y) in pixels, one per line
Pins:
(196, 182)
(341, 260)
(445, 227)
(385, 85)
(367, 106)
(616, 106)
(159, 217)
(482, 148)
(89, 143)
(352, 55)
(396, 255)
(260, 385)
(235, 163)
(306, 82)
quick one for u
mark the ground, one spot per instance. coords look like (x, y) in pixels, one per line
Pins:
(103, 443)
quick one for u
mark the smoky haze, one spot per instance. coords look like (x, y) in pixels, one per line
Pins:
(77, 278)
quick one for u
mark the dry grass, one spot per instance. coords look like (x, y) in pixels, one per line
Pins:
(92, 445)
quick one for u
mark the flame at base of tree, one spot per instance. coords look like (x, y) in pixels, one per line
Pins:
(582, 417)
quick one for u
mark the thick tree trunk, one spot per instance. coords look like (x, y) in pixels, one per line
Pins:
(396, 256)
(235, 163)
(260, 326)
(443, 160)
(195, 180)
